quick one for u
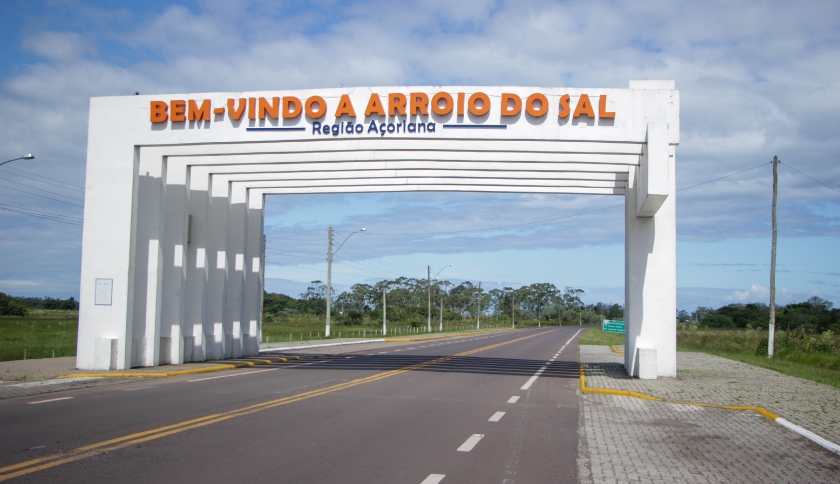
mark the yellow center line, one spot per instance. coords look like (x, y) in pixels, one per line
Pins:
(145, 436)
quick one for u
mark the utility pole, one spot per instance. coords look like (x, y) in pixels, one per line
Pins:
(329, 277)
(441, 314)
(384, 316)
(772, 330)
(513, 311)
(478, 316)
(429, 283)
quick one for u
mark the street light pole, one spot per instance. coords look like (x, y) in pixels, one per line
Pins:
(330, 255)
(429, 274)
(24, 157)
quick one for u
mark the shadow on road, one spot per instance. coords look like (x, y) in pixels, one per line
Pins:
(459, 364)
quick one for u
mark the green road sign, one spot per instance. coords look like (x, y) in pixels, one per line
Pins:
(611, 326)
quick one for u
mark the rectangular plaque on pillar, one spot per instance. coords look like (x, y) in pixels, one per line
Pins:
(104, 290)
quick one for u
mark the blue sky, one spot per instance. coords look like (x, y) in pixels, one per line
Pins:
(757, 79)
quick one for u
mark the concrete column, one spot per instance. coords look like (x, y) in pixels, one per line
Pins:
(176, 216)
(252, 293)
(148, 262)
(198, 265)
(236, 222)
(650, 262)
(217, 272)
(108, 238)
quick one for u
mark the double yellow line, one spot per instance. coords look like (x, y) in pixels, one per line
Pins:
(43, 463)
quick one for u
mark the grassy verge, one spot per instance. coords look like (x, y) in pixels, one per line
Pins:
(38, 334)
(301, 329)
(811, 357)
(595, 336)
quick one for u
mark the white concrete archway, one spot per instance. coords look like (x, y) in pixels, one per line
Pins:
(172, 256)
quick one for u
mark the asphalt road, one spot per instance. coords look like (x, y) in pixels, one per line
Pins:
(463, 409)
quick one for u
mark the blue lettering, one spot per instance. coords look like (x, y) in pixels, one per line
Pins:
(335, 130)
(390, 127)
(431, 127)
(316, 127)
(359, 128)
(421, 125)
(372, 127)
(382, 129)
(412, 127)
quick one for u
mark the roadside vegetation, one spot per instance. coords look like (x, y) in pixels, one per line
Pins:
(807, 343)
(358, 311)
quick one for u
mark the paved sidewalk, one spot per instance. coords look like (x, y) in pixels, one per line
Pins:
(626, 439)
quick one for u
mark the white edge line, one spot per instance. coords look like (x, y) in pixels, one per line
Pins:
(380, 340)
(233, 374)
(50, 400)
(809, 435)
(433, 479)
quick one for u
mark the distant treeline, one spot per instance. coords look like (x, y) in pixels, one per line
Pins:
(18, 306)
(816, 315)
(408, 301)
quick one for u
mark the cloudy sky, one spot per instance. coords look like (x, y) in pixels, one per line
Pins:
(757, 79)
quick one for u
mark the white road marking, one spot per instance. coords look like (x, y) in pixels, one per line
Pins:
(433, 479)
(513, 399)
(50, 400)
(470, 443)
(235, 374)
(539, 372)
(531, 380)
(138, 388)
(382, 352)
(496, 417)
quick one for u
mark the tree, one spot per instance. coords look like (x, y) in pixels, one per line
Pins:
(316, 297)
(11, 307)
(538, 295)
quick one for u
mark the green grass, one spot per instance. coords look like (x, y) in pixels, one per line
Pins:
(39, 333)
(595, 336)
(308, 328)
(812, 357)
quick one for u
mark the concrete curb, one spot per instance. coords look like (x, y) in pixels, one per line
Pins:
(227, 366)
(826, 444)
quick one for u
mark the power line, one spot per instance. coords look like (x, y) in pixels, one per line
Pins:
(42, 190)
(42, 215)
(555, 218)
(42, 176)
(42, 196)
(812, 178)
(721, 178)
(68, 187)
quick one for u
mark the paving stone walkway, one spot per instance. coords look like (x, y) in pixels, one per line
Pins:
(625, 439)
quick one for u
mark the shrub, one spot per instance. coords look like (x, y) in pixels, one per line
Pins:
(10, 306)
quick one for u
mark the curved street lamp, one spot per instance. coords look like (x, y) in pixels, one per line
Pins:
(429, 318)
(28, 156)
(330, 255)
